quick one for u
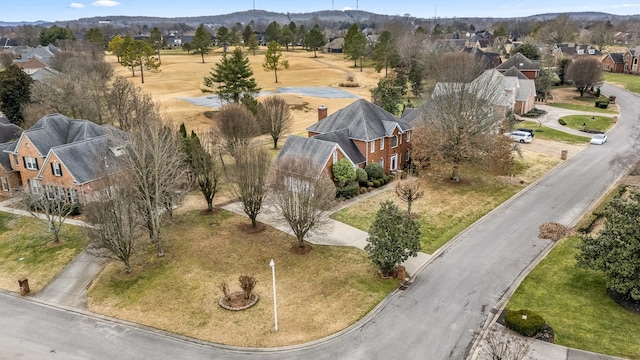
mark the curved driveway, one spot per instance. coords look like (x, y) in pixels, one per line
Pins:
(434, 319)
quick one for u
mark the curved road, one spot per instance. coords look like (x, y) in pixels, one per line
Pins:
(434, 319)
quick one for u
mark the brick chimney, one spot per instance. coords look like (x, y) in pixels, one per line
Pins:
(322, 112)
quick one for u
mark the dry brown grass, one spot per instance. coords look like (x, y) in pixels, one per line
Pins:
(181, 76)
(318, 294)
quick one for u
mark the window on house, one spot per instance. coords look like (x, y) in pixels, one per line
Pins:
(335, 156)
(5, 183)
(50, 191)
(33, 186)
(30, 163)
(381, 164)
(373, 146)
(408, 136)
(382, 144)
(606, 67)
(394, 141)
(56, 169)
(15, 159)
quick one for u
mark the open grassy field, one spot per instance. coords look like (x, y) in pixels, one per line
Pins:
(319, 293)
(181, 76)
(629, 82)
(585, 108)
(27, 251)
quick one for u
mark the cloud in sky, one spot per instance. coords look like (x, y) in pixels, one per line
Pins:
(105, 3)
(76, 6)
(625, 5)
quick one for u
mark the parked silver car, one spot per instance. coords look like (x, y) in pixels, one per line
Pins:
(521, 136)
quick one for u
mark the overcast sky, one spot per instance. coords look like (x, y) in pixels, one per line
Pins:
(53, 10)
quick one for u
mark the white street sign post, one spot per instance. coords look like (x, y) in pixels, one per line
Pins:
(275, 307)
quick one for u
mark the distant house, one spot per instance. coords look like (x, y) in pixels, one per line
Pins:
(573, 50)
(631, 58)
(61, 158)
(31, 66)
(613, 62)
(43, 53)
(530, 68)
(489, 60)
(362, 132)
(44, 74)
(334, 46)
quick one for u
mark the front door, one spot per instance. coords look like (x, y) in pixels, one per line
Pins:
(393, 165)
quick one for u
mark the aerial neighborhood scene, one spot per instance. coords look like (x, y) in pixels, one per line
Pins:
(354, 180)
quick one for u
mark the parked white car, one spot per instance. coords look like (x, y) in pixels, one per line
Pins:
(521, 136)
(599, 139)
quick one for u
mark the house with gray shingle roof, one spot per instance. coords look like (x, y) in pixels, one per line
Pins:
(530, 68)
(613, 62)
(362, 132)
(63, 157)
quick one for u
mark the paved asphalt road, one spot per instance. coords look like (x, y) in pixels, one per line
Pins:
(434, 319)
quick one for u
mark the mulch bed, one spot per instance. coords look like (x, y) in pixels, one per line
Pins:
(248, 229)
(301, 250)
(237, 301)
(624, 300)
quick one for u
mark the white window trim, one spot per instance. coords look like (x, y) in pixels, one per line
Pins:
(408, 136)
(31, 163)
(57, 169)
(372, 145)
(391, 162)
(5, 183)
(382, 144)
(395, 137)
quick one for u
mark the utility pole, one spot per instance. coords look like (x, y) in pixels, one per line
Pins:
(356, 4)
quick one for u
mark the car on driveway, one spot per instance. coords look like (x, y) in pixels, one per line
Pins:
(521, 136)
(599, 139)
(527, 131)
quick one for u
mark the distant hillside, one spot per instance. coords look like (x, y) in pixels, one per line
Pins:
(19, 23)
(327, 16)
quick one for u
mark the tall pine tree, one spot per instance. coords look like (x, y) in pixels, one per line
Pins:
(232, 78)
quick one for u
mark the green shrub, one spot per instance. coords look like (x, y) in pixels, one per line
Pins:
(603, 104)
(376, 183)
(562, 122)
(361, 176)
(374, 171)
(343, 172)
(386, 179)
(347, 191)
(530, 326)
(369, 183)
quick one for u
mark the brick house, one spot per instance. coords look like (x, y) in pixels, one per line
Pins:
(613, 62)
(530, 68)
(631, 58)
(361, 132)
(61, 157)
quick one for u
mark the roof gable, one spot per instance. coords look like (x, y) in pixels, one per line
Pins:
(318, 151)
(521, 62)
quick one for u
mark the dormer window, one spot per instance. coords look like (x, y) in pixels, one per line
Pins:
(56, 169)
(592, 51)
(30, 163)
(394, 141)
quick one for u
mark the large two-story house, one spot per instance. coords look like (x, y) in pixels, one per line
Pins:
(61, 157)
(362, 132)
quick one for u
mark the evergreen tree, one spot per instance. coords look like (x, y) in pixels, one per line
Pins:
(314, 39)
(246, 34)
(387, 95)
(95, 36)
(201, 42)
(384, 53)
(272, 33)
(138, 54)
(272, 59)
(286, 37)
(252, 44)
(55, 34)
(157, 41)
(393, 237)
(232, 77)
(355, 45)
(15, 91)
(222, 37)
(115, 46)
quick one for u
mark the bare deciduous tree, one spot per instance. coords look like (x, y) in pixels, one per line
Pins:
(409, 191)
(247, 283)
(497, 345)
(251, 173)
(237, 127)
(461, 120)
(128, 106)
(275, 118)
(6, 58)
(115, 222)
(206, 169)
(49, 209)
(302, 199)
(156, 160)
(584, 72)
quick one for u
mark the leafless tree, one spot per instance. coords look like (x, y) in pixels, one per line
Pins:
(247, 283)
(155, 157)
(497, 345)
(206, 169)
(409, 191)
(461, 120)
(302, 199)
(584, 72)
(128, 106)
(250, 178)
(6, 58)
(274, 117)
(557, 30)
(237, 127)
(449, 67)
(115, 221)
(601, 35)
(48, 208)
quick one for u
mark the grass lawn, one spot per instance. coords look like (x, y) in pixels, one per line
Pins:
(574, 303)
(444, 210)
(600, 123)
(629, 82)
(547, 133)
(583, 108)
(319, 293)
(26, 251)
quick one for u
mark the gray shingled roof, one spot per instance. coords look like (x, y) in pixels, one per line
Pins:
(85, 160)
(521, 62)
(513, 71)
(341, 137)
(617, 58)
(54, 130)
(525, 89)
(364, 120)
(318, 151)
(5, 157)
